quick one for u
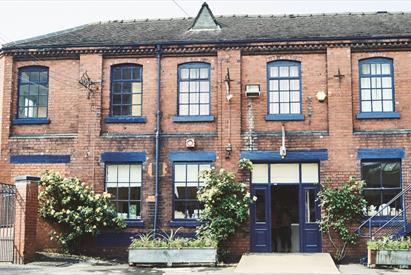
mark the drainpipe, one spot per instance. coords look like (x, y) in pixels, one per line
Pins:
(158, 130)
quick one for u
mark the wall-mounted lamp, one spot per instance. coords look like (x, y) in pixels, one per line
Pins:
(252, 90)
(228, 150)
(321, 96)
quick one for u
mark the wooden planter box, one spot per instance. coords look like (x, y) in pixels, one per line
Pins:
(389, 257)
(169, 256)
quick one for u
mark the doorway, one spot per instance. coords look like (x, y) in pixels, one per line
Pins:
(285, 227)
(285, 214)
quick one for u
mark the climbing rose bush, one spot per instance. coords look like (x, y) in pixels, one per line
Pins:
(342, 208)
(78, 210)
(226, 204)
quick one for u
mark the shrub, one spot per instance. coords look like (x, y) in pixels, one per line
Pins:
(170, 241)
(226, 205)
(78, 210)
(342, 208)
(387, 243)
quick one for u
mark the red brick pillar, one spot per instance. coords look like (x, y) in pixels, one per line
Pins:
(25, 225)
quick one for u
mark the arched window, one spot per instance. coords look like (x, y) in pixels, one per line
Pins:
(284, 90)
(376, 85)
(126, 90)
(33, 87)
(194, 89)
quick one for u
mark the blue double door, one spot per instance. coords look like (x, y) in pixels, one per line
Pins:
(308, 215)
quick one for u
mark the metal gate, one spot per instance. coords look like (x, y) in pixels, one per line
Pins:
(7, 218)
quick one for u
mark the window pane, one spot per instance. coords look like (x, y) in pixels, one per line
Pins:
(116, 110)
(260, 206)
(366, 106)
(259, 173)
(294, 71)
(365, 68)
(386, 68)
(134, 212)
(284, 108)
(366, 94)
(194, 73)
(183, 87)
(376, 106)
(180, 172)
(194, 110)
(294, 85)
(44, 77)
(135, 173)
(192, 210)
(391, 174)
(194, 97)
(376, 94)
(135, 193)
(204, 86)
(136, 110)
(126, 87)
(191, 192)
(43, 101)
(371, 173)
(396, 206)
(204, 109)
(123, 192)
(192, 172)
(111, 173)
(116, 73)
(183, 110)
(295, 96)
(123, 173)
(42, 112)
(179, 210)
(126, 99)
(184, 73)
(365, 83)
(136, 87)
(284, 71)
(204, 98)
(285, 173)
(295, 108)
(386, 82)
(194, 86)
(126, 73)
(387, 105)
(117, 87)
(274, 97)
(284, 97)
(204, 73)
(136, 99)
(274, 85)
(284, 85)
(274, 71)
(123, 209)
(34, 76)
(310, 205)
(309, 172)
(373, 198)
(184, 98)
(274, 108)
(387, 93)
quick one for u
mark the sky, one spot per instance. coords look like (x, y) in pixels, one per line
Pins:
(20, 19)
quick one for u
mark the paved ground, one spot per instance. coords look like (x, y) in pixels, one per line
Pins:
(292, 263)
(60, 268)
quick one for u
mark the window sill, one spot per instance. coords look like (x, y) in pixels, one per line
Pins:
(193, 118)
(134, 223)
(184, 223)
(284, 117)
(377, 115)
(384, 219)
(28, 121)
(126, 119)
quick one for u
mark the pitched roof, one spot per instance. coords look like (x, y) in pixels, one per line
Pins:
(232, 29)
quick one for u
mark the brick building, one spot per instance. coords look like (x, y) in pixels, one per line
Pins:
(167, 98)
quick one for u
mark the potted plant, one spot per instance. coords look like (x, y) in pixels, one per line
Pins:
(387, 251)
(169, 249)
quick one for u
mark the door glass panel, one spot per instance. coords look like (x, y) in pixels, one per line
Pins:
(285, 173)
(260, 214)
(309, 205)
(260, 173)
(309, 172)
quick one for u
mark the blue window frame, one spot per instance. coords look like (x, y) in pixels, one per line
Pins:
(124, 183)
(33, 87)
(284, 90)
(186, 183)
(126, 90)
(194, 89)
(383, 182)
(376, 85)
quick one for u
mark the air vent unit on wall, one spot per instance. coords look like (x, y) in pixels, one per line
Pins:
(252, 90)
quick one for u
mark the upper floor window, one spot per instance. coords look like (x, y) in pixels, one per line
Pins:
(383, 183)
(376, 85)
(33, 86)
(194, 89)
(186, 185)
(126, 90)
(123, 182)
(284, 88)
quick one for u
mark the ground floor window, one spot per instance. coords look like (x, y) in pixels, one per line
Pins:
(123, 182)
(186, 184)
(383, 183)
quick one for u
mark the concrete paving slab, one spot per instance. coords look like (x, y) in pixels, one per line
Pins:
(287, 263)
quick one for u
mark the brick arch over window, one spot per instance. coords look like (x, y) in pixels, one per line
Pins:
(284, 90)
(126, 90)
(33, 88)
(376, 87)
(194, 89)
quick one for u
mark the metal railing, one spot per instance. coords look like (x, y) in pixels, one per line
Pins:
(393, 226)
(7, 219)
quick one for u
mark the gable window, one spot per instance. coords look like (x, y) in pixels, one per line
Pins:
(194, 89)
(126, 90)
(186, 185)
(284, 90)
(383, 183)
(33, 86)
(376, 88)
(123, 182)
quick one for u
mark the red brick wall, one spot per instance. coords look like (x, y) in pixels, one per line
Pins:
(331, 127)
